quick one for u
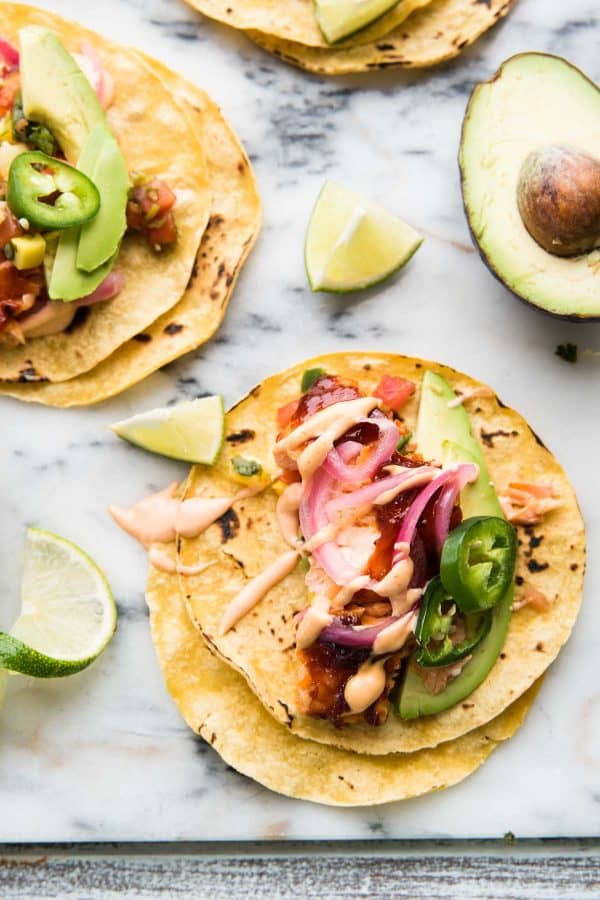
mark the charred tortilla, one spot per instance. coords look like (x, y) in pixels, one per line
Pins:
(218, 705)
(230, 233)
(157, 139)
(430, 35)
(261, 647)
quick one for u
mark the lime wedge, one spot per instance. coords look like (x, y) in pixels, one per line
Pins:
(339, 18)
(352, 244)
(192, 431)
(68, 613)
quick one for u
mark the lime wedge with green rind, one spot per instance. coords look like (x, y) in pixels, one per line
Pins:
(68, 614)
(192, 431)
(340, 18)
(352, 244)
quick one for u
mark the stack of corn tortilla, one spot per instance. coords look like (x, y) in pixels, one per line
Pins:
(173, 301)
(414, 33)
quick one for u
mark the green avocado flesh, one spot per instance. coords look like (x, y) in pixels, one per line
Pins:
(68, 281)
(100, 238)
(340, 18)
(56, 92)
(444, 434)
(534, 101)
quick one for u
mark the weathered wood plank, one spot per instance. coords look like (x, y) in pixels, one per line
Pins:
(436, 871)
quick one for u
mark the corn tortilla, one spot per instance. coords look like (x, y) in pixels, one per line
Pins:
(232, 228)
(158, 141)
(218, 705)
(261, 646)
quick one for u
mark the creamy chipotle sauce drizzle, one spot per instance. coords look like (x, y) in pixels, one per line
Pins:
(253, 592)
(366, 686)
(162, 561)
(286, 511)
(321, 430)
(159, 518)
(316, 618)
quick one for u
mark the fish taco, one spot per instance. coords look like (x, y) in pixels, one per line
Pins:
(334, 38)
(232, 228)
(105, 197)
(386, 552)
(217, 704)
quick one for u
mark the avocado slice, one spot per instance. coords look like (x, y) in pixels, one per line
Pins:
(338, 20)
(100, 238)
(534, 101)
(67, 281)
(444, 433)
(56, 92)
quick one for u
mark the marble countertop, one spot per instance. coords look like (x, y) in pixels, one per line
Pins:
(104, 755)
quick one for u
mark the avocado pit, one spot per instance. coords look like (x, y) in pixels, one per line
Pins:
(558, 196)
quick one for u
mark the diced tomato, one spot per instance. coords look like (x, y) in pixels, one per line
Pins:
(394, 391)
(157, 195)
(10, 85)
(163, 232)
(286, 413)
(9, 225)
(149, 211)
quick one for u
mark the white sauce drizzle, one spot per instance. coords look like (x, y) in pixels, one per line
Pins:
(160, 517)
(316, 618)
(286, 511)
(392, 638)
(254, 591)
(164, 562)
(346, 593)
(366, 686)
(424, 476)
(470, 395)
(151, 519)
(395, 585)
(322, 430)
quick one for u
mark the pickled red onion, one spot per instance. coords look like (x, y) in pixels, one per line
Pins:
(9, 55)
(371, 492)
(456, 478)
(382, 452)
(313, 517)
(350, 636)
(112, 285)
(102, 81)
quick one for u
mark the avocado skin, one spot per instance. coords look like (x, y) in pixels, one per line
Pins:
(566, 317)
(569, 317)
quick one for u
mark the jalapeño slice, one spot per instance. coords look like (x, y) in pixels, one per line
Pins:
(50, 193)
(478, 562)
(437, 625)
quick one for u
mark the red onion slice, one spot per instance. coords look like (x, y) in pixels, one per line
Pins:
(112, 285)
(444, 507)
(460, 475)
(381, 453)
(350, 636)
(102, 81)
(8, 55)
(313, 517)
(359, 637)
(371, 492)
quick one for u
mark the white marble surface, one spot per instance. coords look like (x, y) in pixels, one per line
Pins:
(104, 755)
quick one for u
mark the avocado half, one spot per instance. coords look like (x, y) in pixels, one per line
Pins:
(534, 100)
